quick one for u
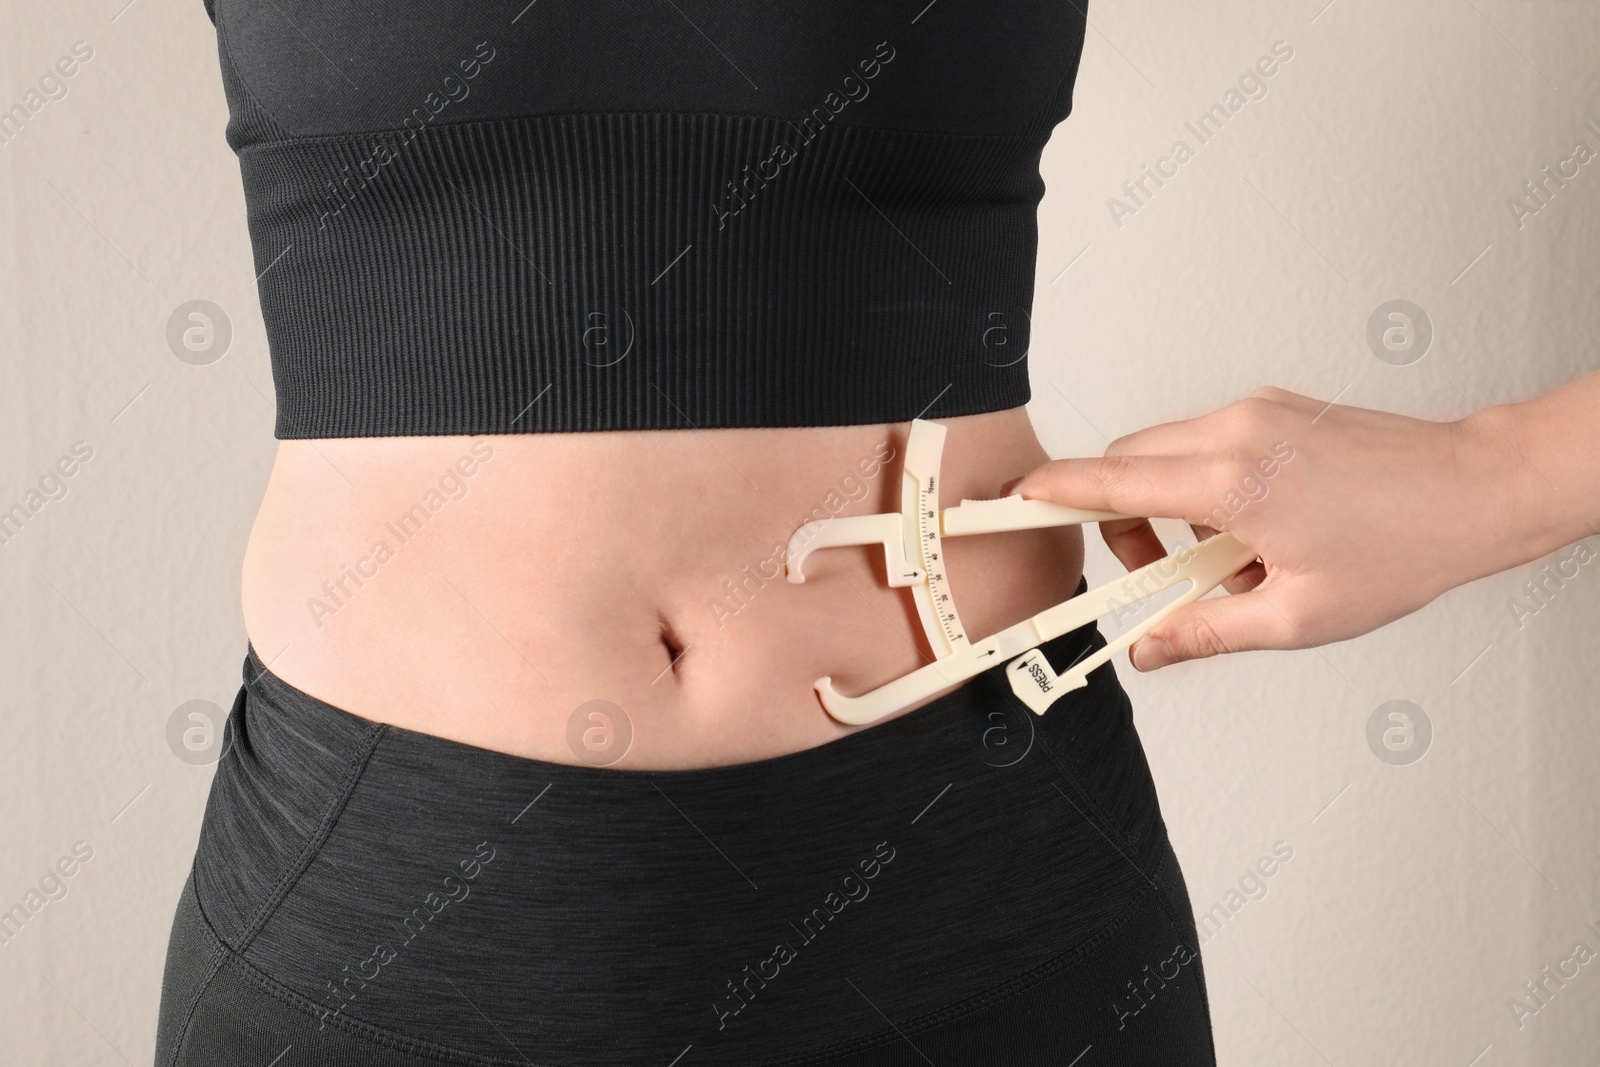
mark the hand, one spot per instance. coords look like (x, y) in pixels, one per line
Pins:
(1358, 517)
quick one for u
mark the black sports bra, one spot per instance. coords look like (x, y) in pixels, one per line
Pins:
(541, 215)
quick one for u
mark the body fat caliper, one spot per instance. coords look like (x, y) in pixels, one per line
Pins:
(913, 542)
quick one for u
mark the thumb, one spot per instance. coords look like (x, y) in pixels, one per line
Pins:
(1240, 622)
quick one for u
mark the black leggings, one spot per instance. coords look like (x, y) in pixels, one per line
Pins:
(965, 884)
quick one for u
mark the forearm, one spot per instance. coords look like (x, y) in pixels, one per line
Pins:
(1540, 464)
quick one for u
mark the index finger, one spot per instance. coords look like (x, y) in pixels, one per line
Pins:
(1157, 486)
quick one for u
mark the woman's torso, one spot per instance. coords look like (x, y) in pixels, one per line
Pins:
(780, 218)
(488, 589)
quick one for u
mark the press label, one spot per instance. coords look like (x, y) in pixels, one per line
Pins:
(1034, 681)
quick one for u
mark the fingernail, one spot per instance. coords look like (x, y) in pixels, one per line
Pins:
(1150, 653)
(1009, 487)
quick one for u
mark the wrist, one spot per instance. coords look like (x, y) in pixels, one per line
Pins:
(1517, 462)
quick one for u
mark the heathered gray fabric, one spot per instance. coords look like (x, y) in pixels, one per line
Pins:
(447, 900)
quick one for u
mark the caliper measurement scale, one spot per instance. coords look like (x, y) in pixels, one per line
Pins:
(913, 543)
(944, 605)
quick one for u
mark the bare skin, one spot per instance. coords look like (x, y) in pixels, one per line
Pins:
(1371, 517)
(631, 567)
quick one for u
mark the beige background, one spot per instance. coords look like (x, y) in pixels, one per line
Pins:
(1378, 166)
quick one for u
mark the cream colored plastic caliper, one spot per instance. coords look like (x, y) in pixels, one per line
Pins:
(913, 545)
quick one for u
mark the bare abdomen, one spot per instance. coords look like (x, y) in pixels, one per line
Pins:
(492, 589)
